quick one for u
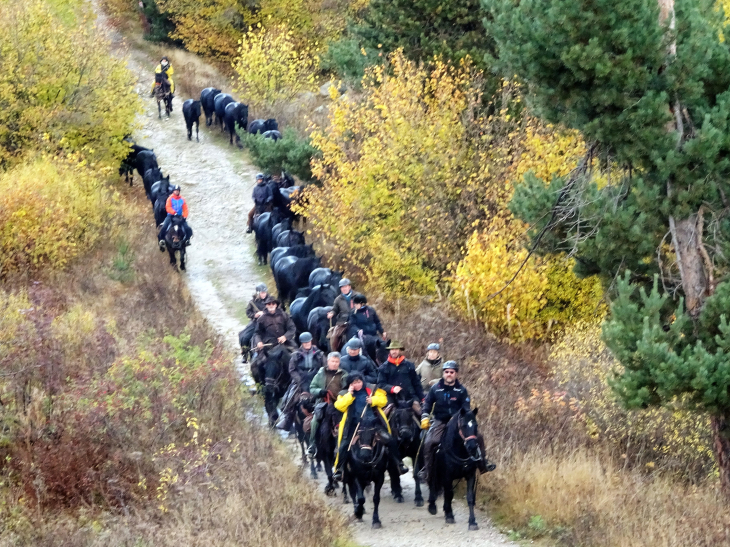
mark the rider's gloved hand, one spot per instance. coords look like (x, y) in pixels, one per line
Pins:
(425, 423)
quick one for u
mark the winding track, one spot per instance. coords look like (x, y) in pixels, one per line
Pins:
(222, 273)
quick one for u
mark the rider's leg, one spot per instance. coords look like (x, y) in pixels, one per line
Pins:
(165, 226)
(251, 213)
(188, 232)
(430, 443)
(343, 452)
(484, 464)
(313, 434)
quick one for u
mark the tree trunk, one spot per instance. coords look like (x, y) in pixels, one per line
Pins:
(687, 247)
(721, 445)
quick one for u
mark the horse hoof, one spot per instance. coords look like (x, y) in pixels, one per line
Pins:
(398, 498)
(432, 508)
(450, 520)
(419, 503)
(182, 267)
(473, 527)
(377, 526)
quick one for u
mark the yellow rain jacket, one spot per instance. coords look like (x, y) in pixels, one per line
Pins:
(343, 402)
(170, 71)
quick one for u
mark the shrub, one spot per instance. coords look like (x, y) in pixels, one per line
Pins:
(271, 68)
(347, 59)
(291, 153)
(50, 212)
(56, 77)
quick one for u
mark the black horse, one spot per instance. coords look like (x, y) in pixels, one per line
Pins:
(302, 411)
(318, 325)
(321, 295)
(326, 441)
(300, 251)
(163, 93)
(281, 227)
(262, 226)
(191, 113)
(175, 241)
(207, 101)
(235, 114)
(458, 457)
(129, 163)
(366, 464)
(292, 274)
(405, 426)
(289, 238)
(273, 365)
(161, 190)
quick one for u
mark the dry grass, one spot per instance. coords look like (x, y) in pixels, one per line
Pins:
(239, 489)
(553, 480)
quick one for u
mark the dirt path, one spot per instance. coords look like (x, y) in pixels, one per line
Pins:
(217, 181)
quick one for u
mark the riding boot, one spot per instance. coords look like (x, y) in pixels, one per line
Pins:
(484, 465)
(341, 460)
(425, 471)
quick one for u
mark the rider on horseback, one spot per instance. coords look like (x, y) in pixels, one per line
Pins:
(303, 365)
(341, 309)
(274, 327)
(325, 386)
(165, 68)
(357, 397)
(398, 376)
(363, 320)
(444, 400)
(263, 200)
(355, 362)
(254, 310)
(175, 206)
(430, 368)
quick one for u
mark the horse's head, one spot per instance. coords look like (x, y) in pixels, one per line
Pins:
(468, 431)
(176, 232)
(368, 433)
(402, 420)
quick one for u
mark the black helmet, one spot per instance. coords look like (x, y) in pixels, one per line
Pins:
(451, 365)
(360, 299)
(175, 187)
(261, 287)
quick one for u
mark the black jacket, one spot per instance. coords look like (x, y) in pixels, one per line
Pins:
(446, 401)
(262, 194)
(298, 369)
(362, 364)
(365, 319)
(403, 375)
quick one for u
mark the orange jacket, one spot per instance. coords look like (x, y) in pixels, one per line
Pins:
(176, 206)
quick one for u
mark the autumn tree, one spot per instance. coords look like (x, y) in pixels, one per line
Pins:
(648, 85)
(424, 28)
(60, 91)
(271, 68)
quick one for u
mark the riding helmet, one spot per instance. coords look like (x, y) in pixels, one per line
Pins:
(344, 282)
(261, 288)
(360, 299)
(175, 187)
(434, 347)
(260, 176)
(453, 365)
(271, 300)
(354, 343)
(305, 337)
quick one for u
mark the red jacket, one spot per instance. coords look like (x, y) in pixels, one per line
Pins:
(176, 206)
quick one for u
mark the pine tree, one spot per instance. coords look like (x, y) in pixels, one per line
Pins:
(424, 28)
(648, 85)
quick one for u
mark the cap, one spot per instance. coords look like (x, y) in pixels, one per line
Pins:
(344, 282)
(305, 337)
(261, 287)
(354, 343)
(434, 346)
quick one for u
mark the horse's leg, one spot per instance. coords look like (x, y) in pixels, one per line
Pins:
(159, 109)
(377, 485)
(358, 498)
(471, 499)
(419, 497)
(395, 486)
(448, 498)
(182, 258)
(197, 129)
(432, 491)
(171, 252)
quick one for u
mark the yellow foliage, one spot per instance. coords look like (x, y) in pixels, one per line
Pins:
(49, 213)
(59, 87)
(209, 27)
(399, 176)
(271, 68)
(546, 294)
(680, 439)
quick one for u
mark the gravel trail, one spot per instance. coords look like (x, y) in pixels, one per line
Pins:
(217, 181)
